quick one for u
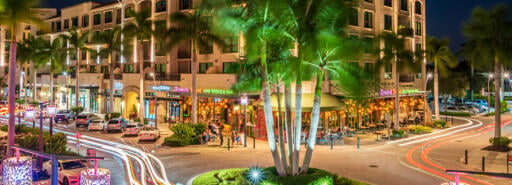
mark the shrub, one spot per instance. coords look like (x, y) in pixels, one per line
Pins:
(399, 133)
(29, 138)
(77, 109)
(183, 130)
(501, 142)
(20, 101)
(185, 134)
(34, 103)
(226, 176)
(418, 129)
(112, 115)
(439, 123)
(460, 114)
(137, 119)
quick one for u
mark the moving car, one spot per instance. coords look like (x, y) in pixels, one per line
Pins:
(69, 171)
(84, 119)
(132, 129)
(149, 134)
(64, 115)
(117, 124)
(96, 124)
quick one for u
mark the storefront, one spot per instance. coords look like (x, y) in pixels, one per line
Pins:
(330, 113)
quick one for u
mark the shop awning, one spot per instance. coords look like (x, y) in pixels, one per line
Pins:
(328, 102)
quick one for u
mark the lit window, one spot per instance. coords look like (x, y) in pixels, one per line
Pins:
(418, 28)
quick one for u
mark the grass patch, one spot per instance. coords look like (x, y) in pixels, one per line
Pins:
(440, 124)
(237, 176)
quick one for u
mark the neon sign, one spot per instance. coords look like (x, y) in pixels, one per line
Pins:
(384, 92)
(181, 89)
(161, 88)
(218, 91)
(409, 91)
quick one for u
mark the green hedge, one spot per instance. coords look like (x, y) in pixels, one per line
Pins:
(399, 133)
(30, 139)
(501, 142)
(112, 115)
(77, 110)
(460, 114)
(237, 176)
(439, 124)
(419, 129)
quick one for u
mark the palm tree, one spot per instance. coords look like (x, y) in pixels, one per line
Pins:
(112, 43)
(53, 54)
(438, 51)
(195, 27)
(491, 31)
(12, 14)
(140, 29)
(77, 41)
(395, 53)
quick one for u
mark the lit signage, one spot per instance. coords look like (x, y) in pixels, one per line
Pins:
(181, 89)
(161, 88)
(384, 92)
(409, 91)
(118, 86)
(218, 91)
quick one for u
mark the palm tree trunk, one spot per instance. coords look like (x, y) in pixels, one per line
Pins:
(315, 117)
(267, 108)
(397, 99)
(288, 120)
(111, 100)
(51, 87)
(77, 72)
(280, 126)
(141, 87)
(12, 92)
(297, 121)
(436, 90)
(34, 84)
(497, 90)
(194, 83)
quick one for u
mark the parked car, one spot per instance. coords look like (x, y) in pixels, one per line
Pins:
(481, 102)
(117, 124)
(132, 129)
(96, 124)
(84, 119)
(64, 115)
(69, 170)
(149, 134)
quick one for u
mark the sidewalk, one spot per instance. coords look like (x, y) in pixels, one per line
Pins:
(495, 162)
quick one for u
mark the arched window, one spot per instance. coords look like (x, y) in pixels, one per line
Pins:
(417, 7)
(161, 6)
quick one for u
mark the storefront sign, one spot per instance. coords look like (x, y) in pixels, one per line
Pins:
(218, 91)
(118, 86)
(181, 89)
(384, 92)
(161, 88)
(409, 91)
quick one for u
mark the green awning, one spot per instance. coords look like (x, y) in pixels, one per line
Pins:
(328, 102)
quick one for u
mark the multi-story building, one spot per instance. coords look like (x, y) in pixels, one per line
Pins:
(171, 82)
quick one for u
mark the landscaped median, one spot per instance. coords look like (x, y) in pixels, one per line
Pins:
(268, 176)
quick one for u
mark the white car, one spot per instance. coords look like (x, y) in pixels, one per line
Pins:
(149, 134)
(96, 124)
(69, 171)
(131, 130)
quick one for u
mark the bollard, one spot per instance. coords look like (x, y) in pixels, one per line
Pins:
(483, 163)
(331, 143)
(506, 161)
(253, 142)
(228, 143)
(357, 142)
(465, 156)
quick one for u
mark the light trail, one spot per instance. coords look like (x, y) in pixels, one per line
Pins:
(122, 151)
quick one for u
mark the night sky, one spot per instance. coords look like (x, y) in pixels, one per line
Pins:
(444, 17)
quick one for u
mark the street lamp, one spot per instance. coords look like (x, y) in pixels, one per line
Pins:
(489, 94)
(507, 76)
(244, 100)
(429, 75)
(154, 84)
(67, 89)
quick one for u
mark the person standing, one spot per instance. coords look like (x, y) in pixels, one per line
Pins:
(221, 133)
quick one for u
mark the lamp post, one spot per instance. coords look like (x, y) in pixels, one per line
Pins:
(67, 89)
(489, 94)
(244, 101)
(429, 75)
(507, 76)
(154, 84)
